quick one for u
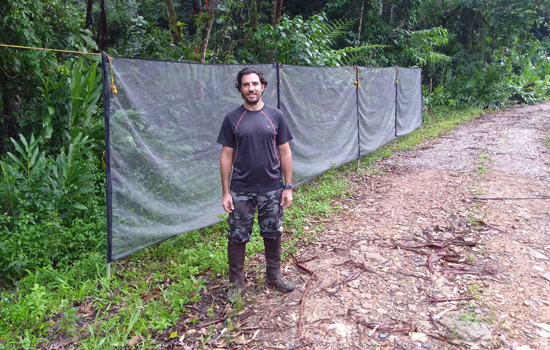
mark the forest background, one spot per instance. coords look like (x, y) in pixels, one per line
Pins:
(474, 55)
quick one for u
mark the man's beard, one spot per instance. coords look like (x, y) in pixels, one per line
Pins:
(252, 102)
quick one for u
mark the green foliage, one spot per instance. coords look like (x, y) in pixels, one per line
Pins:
(36, 228)
(24, 181)
(68, 176)
(528, 87)
(43, 24)
(71, 104)
(419, 48)
(145, 40)
(512, 77)
(306, 42)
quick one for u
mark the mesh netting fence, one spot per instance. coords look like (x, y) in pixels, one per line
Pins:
(161, 129)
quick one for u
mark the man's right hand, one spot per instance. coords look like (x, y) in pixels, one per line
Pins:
(227, 202)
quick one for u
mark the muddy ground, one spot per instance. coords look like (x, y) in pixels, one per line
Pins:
(447, 246)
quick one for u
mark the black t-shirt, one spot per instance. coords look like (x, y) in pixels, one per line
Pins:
(255, 137)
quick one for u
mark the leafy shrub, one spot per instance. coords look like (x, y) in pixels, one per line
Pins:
(528, 87)
(306, 42)
(145, 40)
(40, 225)
(419, 46)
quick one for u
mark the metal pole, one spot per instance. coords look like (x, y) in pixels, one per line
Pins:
(109, 186)
(396, 101)
(358, 116)
(278, 87)
(108, 270)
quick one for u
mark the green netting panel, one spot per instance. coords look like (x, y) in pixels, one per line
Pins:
(376, 107)
(161, 130)
(409, 101)
(320, 105)
(164, 158)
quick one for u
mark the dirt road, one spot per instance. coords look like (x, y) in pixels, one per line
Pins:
(417, 262)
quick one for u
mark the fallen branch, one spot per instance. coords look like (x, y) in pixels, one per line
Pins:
(373, 330)
(411, 275)
(448, 299)
(356, 264)
(302, 306)
(346, 280)
(430, 263)
(463, 243)
(319, 320)
(443, 339)
(387, 328)
(442, 254)
(280, 311)
(304, 268)
(206, 324)
(245, 314)
(463, 271)
(412, 249)
(481, 222)
(309, 259)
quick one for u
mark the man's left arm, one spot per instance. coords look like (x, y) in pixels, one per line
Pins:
(286, 164)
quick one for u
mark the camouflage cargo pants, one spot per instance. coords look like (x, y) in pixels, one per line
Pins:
(270, 215)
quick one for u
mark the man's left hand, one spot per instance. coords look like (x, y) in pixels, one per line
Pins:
(286, 199)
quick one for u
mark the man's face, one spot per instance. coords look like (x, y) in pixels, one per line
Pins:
(251, 88)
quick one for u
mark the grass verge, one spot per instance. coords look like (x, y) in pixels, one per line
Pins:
(150, 291)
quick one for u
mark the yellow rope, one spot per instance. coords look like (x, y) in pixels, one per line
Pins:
(396, 80)
(113, 86)
(356, 77)
(41, 48)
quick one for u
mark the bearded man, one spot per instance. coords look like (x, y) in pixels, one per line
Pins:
(256, 173)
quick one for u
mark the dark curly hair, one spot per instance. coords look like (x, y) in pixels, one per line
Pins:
(250, 70)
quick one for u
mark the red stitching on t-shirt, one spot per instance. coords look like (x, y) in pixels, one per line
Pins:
(236, 139)
(274, 137)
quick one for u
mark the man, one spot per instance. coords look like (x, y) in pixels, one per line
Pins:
(255, 157)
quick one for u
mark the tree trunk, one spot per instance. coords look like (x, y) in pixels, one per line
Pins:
(89, 17)
(254, 15)
(360, 20)
(381, 8)
(211, 12)
(103, 28)
(277, 12)
(172, 21)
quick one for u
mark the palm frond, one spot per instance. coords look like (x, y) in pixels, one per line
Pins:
(351, 55)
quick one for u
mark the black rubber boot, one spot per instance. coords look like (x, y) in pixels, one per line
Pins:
(273, 265)
(235, 255)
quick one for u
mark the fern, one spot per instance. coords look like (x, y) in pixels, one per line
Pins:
(352, 55)
(420, 46)
(327, 32)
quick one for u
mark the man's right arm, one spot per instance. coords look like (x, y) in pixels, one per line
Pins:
(225, 170)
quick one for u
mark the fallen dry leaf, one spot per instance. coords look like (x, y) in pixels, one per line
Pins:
(136, 339)
(239, 340)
